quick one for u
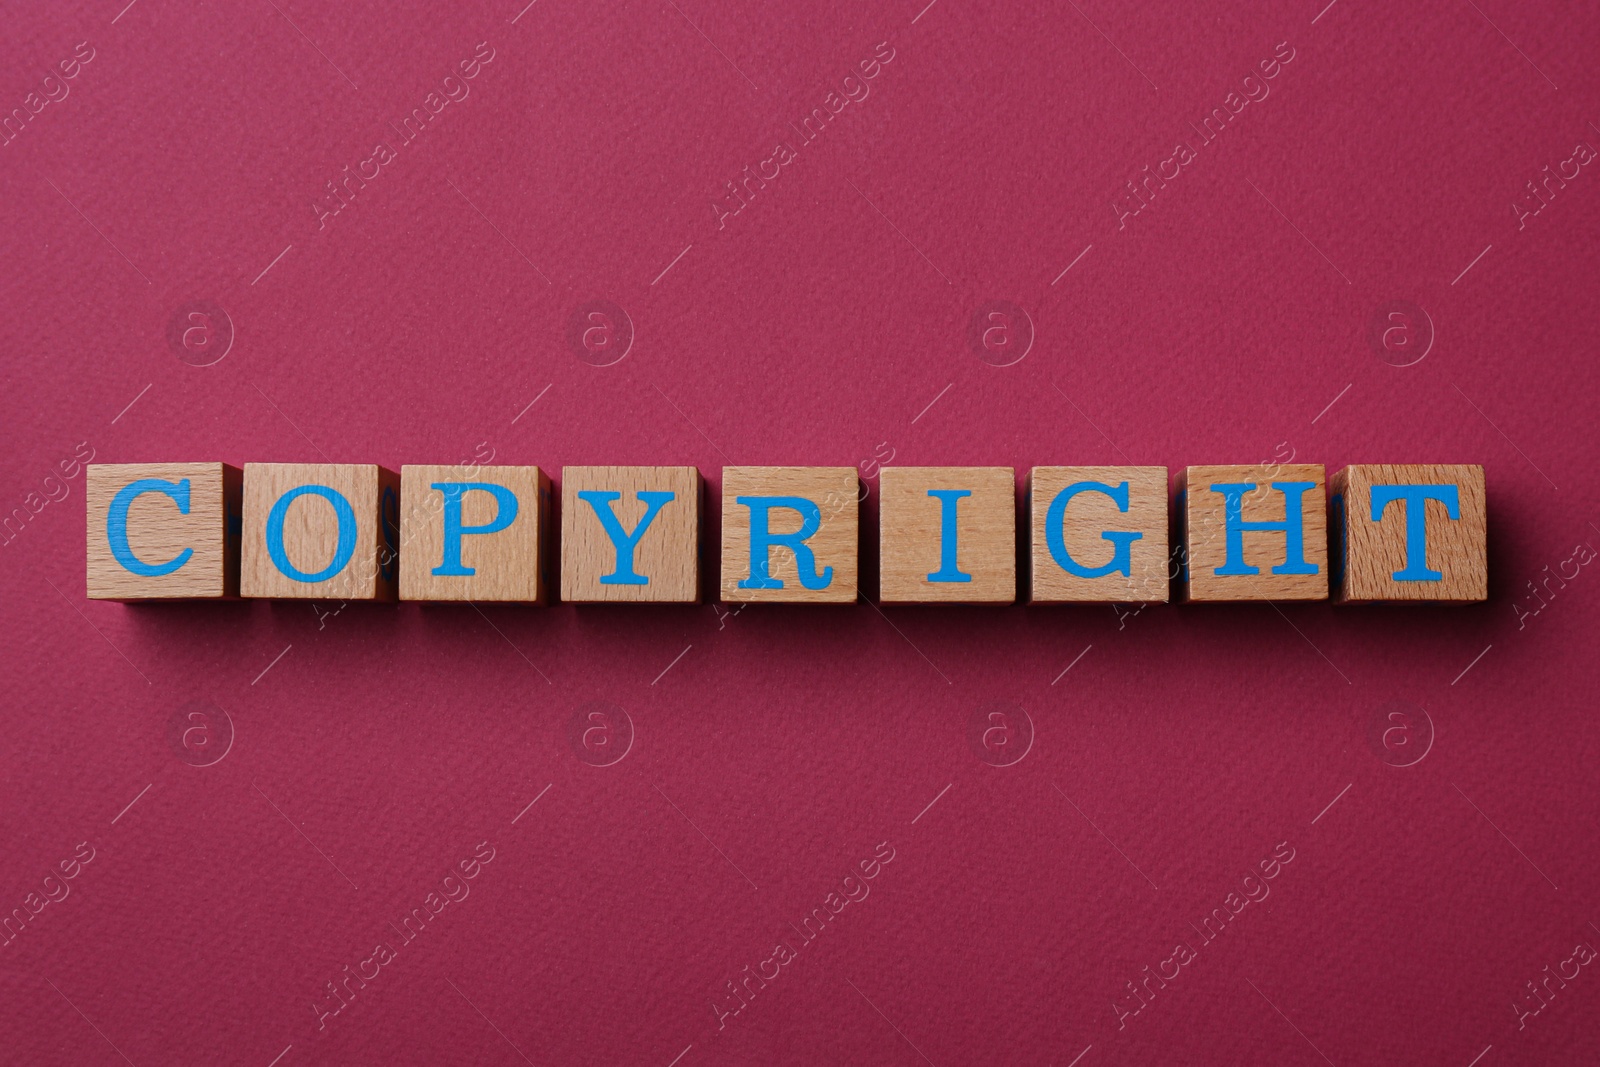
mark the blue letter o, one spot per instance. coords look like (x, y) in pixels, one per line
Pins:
(347, 533)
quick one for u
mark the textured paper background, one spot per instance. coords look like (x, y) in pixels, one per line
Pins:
(827, 322)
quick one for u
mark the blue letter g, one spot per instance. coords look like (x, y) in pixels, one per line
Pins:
(1055, 523)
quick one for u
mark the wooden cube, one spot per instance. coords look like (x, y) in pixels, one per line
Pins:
(1098, 535)
(1410, 532)
(630, 534)
(160, 531)
(1254, 532)
(947, 535)
(470, 532)
(790, 534)
(324, 531)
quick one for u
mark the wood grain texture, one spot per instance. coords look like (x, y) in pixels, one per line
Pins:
(667, 554)
(835, 492)
(1205, 545)
(1087, 517)
(508, 564)
(158, 532)
(911, 543)
(311, 531)
(1367, 554)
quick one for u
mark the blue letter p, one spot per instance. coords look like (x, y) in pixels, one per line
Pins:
(505, 513)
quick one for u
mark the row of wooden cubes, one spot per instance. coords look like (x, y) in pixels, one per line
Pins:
(789, 534)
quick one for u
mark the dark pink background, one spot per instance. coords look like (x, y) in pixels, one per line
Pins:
(816, 327)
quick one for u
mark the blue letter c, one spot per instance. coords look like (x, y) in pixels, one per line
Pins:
(117, 525)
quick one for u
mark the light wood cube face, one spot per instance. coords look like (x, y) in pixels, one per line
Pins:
(630, 534)
(323, 531)
(1410, 532)
(1098, 535)
(1255, 532)
(473, 533)
(947, 535)
(161, 531)
(790, 535)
